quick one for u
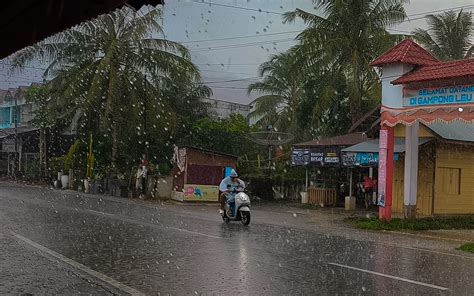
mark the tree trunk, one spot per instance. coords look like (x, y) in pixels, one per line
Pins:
(356, 113)
(355, 88)
(42, 152)
(355, 98)
(114, 146)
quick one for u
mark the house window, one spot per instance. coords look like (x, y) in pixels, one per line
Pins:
(450, 180)
(16, 115)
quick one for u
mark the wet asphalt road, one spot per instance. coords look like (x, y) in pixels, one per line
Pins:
(160, 250)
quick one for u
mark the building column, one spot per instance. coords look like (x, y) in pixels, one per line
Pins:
(411, 170)
(374, 194)
(386, 152)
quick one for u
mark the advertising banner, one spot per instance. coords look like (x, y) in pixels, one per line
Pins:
(382, 167)
(316, 156)
(193, 192)
(360, 159)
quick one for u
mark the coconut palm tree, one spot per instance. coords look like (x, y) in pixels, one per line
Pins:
(346, 38)
(448, 36)
(281, 90)
(110, 71)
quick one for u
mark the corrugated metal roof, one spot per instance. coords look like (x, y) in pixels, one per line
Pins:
(455, 130)
(372, 146)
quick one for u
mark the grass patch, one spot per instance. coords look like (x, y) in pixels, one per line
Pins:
(464, 222)
(469, 247)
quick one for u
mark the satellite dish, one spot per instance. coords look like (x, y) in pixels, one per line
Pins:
(270, 139)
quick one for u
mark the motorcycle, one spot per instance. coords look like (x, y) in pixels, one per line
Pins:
(237, 208)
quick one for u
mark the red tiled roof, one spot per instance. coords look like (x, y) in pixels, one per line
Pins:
(408, 52)
(442, 70)
(344, 140)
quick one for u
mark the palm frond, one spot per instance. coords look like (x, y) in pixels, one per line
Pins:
(165, 45)
(308, 18)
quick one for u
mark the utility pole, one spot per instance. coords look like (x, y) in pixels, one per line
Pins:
(42, 144)
(15, 113)
(145, 127)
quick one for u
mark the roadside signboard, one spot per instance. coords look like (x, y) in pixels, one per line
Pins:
(382, 182)
(194, 192)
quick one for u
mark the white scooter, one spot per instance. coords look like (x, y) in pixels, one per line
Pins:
(237, 208)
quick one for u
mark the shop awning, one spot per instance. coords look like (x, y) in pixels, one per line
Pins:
(10, 132)
(372, 146)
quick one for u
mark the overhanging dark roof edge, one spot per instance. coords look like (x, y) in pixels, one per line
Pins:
(29, 21)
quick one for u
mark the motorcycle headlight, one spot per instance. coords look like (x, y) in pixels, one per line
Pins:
(244, 197)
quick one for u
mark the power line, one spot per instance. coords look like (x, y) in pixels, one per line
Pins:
(228, 87)
(228, 64)
(232, 80)
(242, 45)
(226, 72)
(240, 37)
(299, 31)
(280, 13)
(424, 14)
(261, 35)
(238, 7)
(441, 10)
(429, 12)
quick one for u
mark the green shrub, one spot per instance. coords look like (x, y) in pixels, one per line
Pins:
(460, 222)
(469, 247)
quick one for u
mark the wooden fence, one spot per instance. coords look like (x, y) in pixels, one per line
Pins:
(322, 196)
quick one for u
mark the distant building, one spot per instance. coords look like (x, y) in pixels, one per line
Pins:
(223, 109)
(16, 132)
(254, 118)
(14, 108)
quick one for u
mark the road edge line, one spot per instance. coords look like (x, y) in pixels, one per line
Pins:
(390, 276)
(104, 278)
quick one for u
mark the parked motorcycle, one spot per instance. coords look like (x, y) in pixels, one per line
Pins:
(237, 208)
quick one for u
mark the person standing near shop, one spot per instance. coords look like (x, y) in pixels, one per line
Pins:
(142, 172)
(369, 186)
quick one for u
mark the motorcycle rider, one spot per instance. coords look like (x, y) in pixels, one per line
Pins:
(228, 185)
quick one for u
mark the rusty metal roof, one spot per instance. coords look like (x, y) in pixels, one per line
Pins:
(344, 140)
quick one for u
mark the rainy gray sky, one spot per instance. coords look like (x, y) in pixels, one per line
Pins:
(230, 38)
